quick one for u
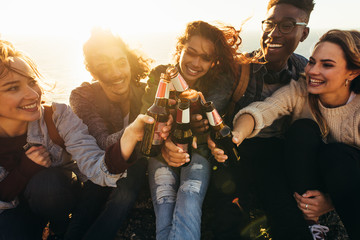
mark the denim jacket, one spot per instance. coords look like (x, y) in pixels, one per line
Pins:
(254, 91)
(82, 155)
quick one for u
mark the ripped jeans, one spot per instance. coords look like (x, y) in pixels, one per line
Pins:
(177, 195)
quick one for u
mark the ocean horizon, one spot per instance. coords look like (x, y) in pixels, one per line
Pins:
(60, 58)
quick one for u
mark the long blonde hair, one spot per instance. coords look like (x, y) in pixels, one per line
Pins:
(7, 53)
(349, 41)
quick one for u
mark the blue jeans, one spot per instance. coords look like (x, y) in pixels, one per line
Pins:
(50, 195)
(177, 195)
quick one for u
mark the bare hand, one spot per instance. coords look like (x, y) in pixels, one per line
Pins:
(198, 124)
(39, 155)
(165, 132)
(218, 153)
(313, 204)
(174, 155)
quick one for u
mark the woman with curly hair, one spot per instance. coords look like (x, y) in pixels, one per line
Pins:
(206, 57)
(107, 106)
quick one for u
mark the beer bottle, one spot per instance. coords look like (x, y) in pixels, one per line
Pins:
(183, 90)
(176, 79)
(182, 135)
(152, 140)
(221, 134)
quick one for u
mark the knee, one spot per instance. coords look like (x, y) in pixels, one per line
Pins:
(191, 187)
(50, 189)
(165, 185)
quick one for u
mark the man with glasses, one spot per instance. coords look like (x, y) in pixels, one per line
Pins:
(284, 27)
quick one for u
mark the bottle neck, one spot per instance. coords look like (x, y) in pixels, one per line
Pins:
(162, 93)
(183, 116)
(179, 83)
(214, 118)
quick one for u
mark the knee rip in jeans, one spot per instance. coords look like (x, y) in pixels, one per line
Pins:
(165, 181)
(197, 166)
(191, 186)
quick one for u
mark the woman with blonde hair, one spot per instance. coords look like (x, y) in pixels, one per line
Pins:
(36, 167)
(322, 155)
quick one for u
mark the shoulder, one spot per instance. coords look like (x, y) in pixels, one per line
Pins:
(86, 90)
(298, 61)
(155, 73)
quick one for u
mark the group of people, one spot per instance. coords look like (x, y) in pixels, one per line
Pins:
(296, 126)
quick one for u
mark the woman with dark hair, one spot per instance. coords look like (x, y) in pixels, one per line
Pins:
(107, 105)
(207, 58)
(322, 155)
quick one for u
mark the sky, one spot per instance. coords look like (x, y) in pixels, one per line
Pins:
(77, 17)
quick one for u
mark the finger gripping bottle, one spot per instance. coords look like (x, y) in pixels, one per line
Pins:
(152, 140)
(221, 134)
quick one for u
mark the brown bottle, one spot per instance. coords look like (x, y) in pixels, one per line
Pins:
(183, 91)
(176, 79)
(221, 134)
(182, 135)
(152, 140)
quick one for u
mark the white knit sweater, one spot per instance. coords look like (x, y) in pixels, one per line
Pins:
(343, 121)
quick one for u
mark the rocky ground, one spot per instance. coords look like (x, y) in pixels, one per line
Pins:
(141, 222)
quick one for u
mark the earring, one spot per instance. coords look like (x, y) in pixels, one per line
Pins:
(346, 82)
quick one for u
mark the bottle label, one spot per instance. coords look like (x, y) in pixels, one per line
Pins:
(179, 83)
(183, 116)
(163, 90)
(157, 140)
(214, 118)
(184, 147)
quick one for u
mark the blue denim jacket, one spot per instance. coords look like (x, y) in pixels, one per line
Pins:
(254, 91)
(82, 155)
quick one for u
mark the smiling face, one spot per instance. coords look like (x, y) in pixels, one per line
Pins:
(276, 46)
(20, 96)
(326, 73)
(112, 69)
(196, 58)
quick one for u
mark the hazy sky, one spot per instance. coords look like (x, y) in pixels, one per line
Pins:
(77, 17)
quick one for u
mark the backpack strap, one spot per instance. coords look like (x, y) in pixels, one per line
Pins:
(240, 89)
(53, 132)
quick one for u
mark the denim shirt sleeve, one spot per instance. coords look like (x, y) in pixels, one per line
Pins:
(82, 147)
(6, 205)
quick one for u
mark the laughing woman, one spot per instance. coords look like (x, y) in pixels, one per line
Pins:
(322, 156)
(206, 58)
(36, 184)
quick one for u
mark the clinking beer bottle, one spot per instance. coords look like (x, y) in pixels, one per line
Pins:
(221, 134)
(182, 135)
(152, 140)
(183, 90)
(176, 79)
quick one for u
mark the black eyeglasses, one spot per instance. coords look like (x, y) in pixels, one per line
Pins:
(285, 27)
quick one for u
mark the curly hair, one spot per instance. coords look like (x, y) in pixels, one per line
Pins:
(306, 5)
(226, 40)
(349, 42)
(139, 65)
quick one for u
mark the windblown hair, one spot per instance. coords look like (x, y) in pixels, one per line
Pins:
(226, 40)
(306, 5)
(349, 41)
(100, 38)
(7, 53)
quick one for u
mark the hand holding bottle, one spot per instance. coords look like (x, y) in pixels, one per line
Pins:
(198, 124)
(174, 155)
